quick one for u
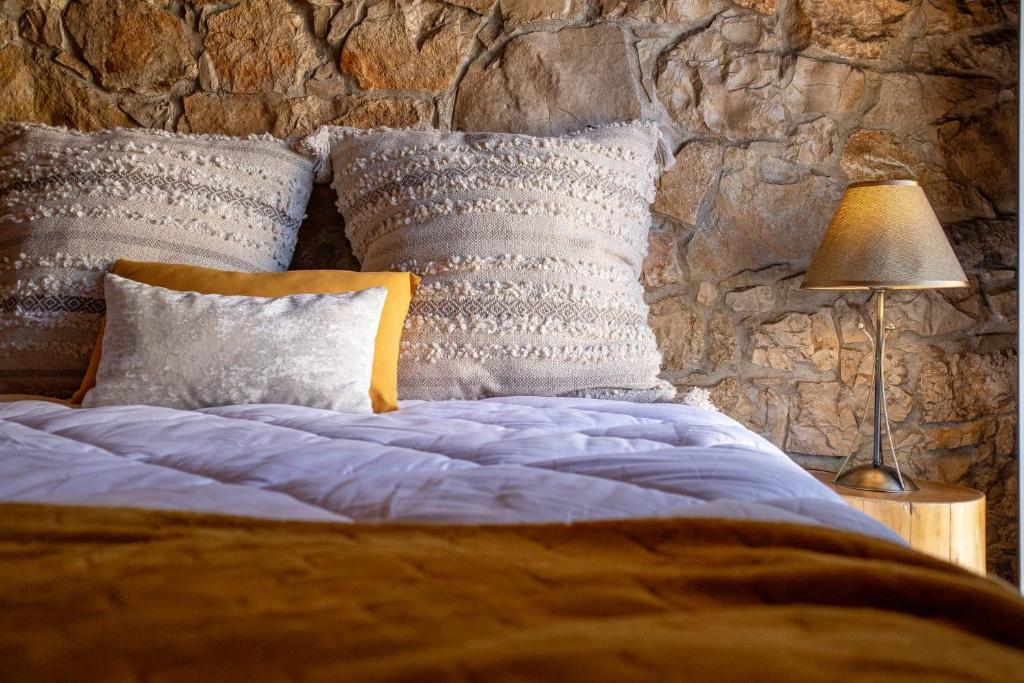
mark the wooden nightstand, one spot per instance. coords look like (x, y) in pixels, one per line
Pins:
(943, 520)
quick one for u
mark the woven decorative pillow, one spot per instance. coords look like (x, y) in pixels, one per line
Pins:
(71, 203)
(530, 251)
(188, 350)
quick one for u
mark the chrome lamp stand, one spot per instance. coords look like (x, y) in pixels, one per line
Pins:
(877, 476)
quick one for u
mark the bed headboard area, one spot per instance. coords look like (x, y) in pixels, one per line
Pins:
(771, 107)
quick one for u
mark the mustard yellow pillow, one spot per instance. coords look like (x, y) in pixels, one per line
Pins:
(400, 286)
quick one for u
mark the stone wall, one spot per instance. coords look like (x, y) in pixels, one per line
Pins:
(773, 105)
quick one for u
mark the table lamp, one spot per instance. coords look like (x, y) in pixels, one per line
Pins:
(883, 236)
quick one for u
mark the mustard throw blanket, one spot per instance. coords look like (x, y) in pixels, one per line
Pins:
(93, 594)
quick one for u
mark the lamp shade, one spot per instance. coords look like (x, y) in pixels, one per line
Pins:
(884, 235)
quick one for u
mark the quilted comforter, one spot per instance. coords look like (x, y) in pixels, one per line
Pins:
(497, 460)
(748, 574)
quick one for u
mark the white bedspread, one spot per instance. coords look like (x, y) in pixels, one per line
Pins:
(519, 459)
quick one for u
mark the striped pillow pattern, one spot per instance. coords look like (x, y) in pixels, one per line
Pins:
(71, 203)
(530, 251)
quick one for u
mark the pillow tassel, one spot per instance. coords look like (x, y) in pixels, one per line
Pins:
(318, 145)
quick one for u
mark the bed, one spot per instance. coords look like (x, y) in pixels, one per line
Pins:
(291, 534)
(509, 538)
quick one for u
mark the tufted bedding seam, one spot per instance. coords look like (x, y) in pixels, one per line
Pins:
(551, 464)
(280, 488)
(525, 459)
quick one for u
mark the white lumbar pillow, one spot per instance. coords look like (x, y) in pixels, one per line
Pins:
(189, 350)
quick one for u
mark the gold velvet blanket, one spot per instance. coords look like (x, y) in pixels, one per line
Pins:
(93, 594)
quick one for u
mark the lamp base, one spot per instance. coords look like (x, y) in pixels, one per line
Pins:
(871, 478)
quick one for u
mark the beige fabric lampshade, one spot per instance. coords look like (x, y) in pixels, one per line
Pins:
(884, 235)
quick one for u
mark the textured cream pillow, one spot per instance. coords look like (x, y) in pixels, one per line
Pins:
(71, 203)
(188, 350)
(530, 251)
